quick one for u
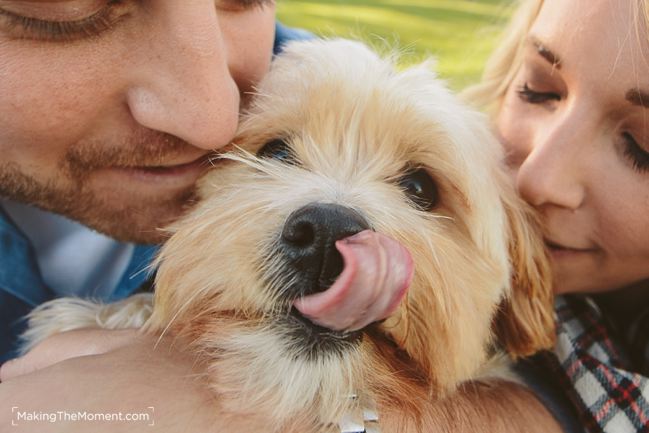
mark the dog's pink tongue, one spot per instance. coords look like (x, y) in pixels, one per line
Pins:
(376, 275)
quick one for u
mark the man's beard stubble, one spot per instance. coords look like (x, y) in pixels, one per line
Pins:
(70, 195)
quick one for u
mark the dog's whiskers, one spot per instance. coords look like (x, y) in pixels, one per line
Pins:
(279, 285)
(180, 310)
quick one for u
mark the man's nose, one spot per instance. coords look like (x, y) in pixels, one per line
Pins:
(182, 84)
(553, 173)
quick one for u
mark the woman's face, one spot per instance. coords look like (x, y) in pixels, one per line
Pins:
(575, 122)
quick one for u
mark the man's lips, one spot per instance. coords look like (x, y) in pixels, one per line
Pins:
(175, 165)
(160, 176)
(172, 173)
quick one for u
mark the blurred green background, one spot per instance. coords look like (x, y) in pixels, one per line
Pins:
(459, 33)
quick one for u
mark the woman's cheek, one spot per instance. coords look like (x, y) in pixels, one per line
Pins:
(513, 129)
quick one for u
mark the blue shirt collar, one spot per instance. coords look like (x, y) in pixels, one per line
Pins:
(285, 34)
(137, 273)
(20, 276)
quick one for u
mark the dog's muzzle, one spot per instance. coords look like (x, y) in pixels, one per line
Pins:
(308, 244)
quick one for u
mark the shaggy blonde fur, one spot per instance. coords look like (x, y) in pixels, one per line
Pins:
(354, 125)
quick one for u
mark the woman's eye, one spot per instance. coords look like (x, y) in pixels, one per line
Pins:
(277, 149)
(639, 157)
(526, 94)
(420, 188)
(99, 19)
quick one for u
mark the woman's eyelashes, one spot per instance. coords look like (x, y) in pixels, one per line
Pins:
(638, 156)
(531, 96)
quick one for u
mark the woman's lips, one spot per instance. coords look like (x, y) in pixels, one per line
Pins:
(558, 250)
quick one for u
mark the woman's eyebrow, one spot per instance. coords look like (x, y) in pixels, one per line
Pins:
(545, 52)
(638, 97)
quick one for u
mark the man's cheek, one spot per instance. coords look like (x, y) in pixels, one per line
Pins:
(35, 133)
(31, 139)
(51, 89)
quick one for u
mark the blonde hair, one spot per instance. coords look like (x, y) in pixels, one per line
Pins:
(506, 59)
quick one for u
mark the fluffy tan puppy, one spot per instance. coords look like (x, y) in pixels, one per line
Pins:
(337, 141)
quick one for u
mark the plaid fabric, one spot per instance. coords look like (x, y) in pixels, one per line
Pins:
(596, 372)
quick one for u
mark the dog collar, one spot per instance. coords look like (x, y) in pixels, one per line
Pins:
(360, 420)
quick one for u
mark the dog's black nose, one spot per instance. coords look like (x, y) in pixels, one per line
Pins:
(308, 242)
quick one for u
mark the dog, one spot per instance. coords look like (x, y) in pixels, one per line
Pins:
(337, 141)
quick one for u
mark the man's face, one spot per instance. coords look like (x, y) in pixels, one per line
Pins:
(108, 108)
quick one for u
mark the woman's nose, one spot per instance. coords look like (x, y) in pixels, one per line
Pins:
(552, 173)
(182, 84)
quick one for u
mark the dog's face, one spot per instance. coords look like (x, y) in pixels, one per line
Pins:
(337, 142)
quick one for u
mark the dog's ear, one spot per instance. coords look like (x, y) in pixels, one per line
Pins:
(525, 323)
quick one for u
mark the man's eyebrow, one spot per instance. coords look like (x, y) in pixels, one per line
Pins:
(638, 97)
(545, 52)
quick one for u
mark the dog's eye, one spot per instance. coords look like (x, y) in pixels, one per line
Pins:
(420, 188)
(277, 149)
